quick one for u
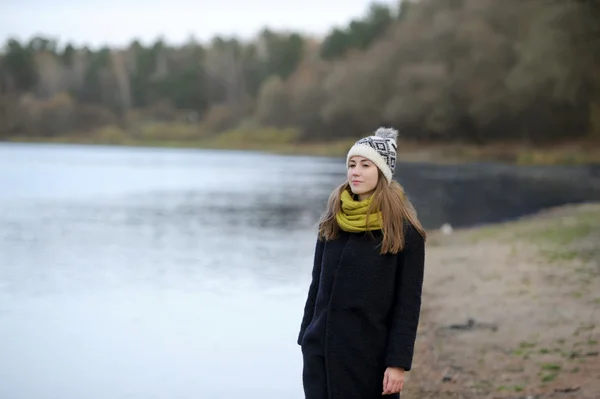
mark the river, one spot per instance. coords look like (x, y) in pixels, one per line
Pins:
(178, 273)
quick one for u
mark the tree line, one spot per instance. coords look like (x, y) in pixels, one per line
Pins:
(452, 70)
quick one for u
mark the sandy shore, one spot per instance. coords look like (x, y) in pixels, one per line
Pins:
(512, 310)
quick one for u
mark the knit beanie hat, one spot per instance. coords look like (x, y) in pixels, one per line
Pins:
(379, 149)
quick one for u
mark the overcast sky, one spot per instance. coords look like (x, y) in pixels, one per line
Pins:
(117, 22)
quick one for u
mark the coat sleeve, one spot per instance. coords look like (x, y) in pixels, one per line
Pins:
(407, 301)
(312, 291)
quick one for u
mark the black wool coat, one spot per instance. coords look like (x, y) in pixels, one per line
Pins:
(362, 310)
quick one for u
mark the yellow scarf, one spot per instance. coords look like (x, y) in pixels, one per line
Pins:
(353, 217)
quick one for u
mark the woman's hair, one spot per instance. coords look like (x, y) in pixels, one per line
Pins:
(395, 208)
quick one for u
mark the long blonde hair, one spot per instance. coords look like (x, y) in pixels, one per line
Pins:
(395, 208)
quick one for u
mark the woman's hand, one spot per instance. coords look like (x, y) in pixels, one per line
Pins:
(393, 380)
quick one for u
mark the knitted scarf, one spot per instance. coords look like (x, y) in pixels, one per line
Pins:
(353, 217)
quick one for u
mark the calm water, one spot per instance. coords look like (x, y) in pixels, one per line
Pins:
(162, 273)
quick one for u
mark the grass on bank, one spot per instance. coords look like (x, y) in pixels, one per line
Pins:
(286, 141)
(563, 234)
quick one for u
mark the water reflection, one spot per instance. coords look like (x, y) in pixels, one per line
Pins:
(466, 195)
(250, 213)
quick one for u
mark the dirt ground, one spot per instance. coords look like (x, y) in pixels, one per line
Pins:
(512, 310)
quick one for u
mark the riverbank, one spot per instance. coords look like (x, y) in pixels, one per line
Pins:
(285, 141)
(512, 310)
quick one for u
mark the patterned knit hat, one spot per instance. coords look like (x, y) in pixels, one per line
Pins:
(379, 149)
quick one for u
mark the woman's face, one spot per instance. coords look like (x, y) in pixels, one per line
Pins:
(362, 176)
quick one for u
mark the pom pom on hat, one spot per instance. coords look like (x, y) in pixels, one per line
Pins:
(380, 149)
(387, 133)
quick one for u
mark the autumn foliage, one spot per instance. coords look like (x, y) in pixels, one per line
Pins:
(474, 71)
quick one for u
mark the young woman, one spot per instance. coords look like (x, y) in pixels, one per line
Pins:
(362, 311)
